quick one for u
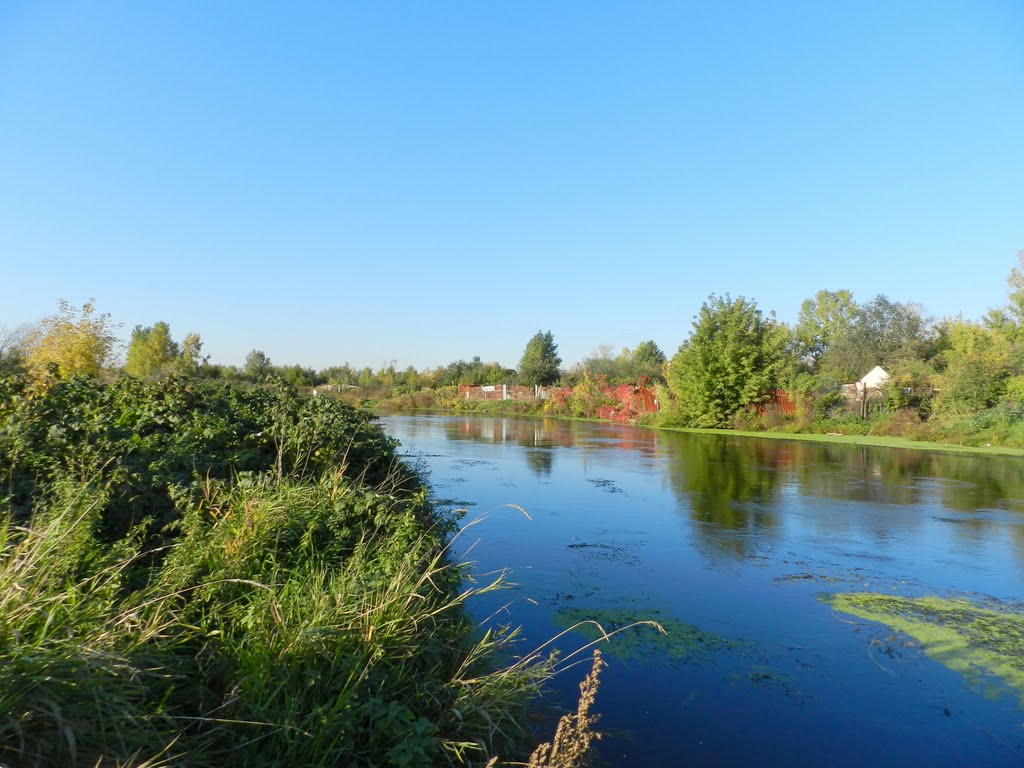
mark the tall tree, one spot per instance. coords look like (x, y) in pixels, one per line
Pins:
(152, 352)
(977, 366)
(824, 320)
(540, 362)
(257, 366)
(192, 353)
(883, 332)
(1010, 320)
(12, 349)
(734, 356)
(647, 361)
(71, 342)
(298, 376)
(601, 363)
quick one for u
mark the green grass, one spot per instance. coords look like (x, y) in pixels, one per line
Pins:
(288, 625)
(232, 578)
(870, 440)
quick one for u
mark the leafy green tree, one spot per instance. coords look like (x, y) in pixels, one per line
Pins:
(475, 373)
(257, 366)
(192, 354)
(647, 361)
(734, 356)
(601, 363)
(71, 342)
(883, 332)
(977, 366)
(218, 372)
(540, 362)
(1010, 320)
(152, 352)
(628, 367)
(298, 376)
(410, 380)
(366, 377)
(339, 375)
(386, 376)
(824, 320)
(11, 349)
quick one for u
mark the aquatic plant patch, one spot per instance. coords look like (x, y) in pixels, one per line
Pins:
(643, 634)
(985, 645)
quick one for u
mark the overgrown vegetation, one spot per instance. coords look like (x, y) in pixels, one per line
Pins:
(207, 575)
(646, 633)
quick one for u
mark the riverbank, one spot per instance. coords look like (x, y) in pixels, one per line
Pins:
(537, 409)
(234, 576)
(866, 440)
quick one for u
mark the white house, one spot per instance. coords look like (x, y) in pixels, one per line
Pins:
(873, 380)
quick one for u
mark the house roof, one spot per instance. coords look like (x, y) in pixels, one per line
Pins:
(873, 378)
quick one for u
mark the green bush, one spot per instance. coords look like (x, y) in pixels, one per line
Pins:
(216, 576)
(152, 441)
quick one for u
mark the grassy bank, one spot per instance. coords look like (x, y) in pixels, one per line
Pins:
(870, 440)
(215, 576)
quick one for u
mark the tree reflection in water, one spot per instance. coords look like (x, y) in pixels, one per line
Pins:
(733, 487)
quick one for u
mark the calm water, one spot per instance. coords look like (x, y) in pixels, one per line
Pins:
(731, 543)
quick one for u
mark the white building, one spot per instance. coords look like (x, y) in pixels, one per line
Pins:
(872, 380)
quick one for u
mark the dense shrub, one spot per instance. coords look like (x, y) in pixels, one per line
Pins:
(212, 576)
(151, 442)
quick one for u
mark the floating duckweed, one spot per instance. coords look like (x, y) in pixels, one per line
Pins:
(979, 643)
(670, 639)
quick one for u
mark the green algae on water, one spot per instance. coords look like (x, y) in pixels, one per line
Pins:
(985, 645)
(645, 634)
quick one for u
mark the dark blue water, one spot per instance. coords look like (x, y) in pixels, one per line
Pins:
(730, 543)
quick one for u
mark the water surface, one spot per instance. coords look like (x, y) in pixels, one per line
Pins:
(738, 547)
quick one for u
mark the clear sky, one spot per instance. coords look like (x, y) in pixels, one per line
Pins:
(427, 181)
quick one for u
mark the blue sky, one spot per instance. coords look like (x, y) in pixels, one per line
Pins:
(421, 182)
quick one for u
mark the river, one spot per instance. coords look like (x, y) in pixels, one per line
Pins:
(822, 604)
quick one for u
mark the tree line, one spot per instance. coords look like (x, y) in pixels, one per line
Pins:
(733, 362)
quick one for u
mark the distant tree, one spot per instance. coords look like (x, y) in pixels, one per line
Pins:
(1010, 320)
(601, 363)
(976, 367)
(71, 342)
(454, 372)
(647, 361)
(823, 321)
(629, 366)
(540, 362)
(1016, 283)
(297, 376)
(883, 332)
(475, 373)
(410, 380)
(386, 376)
(734, 356)
(191, 358)
(12, 354)
(339, 375)
(257, 366)
(152, 352)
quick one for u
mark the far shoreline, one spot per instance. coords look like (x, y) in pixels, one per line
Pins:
(871, 441)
